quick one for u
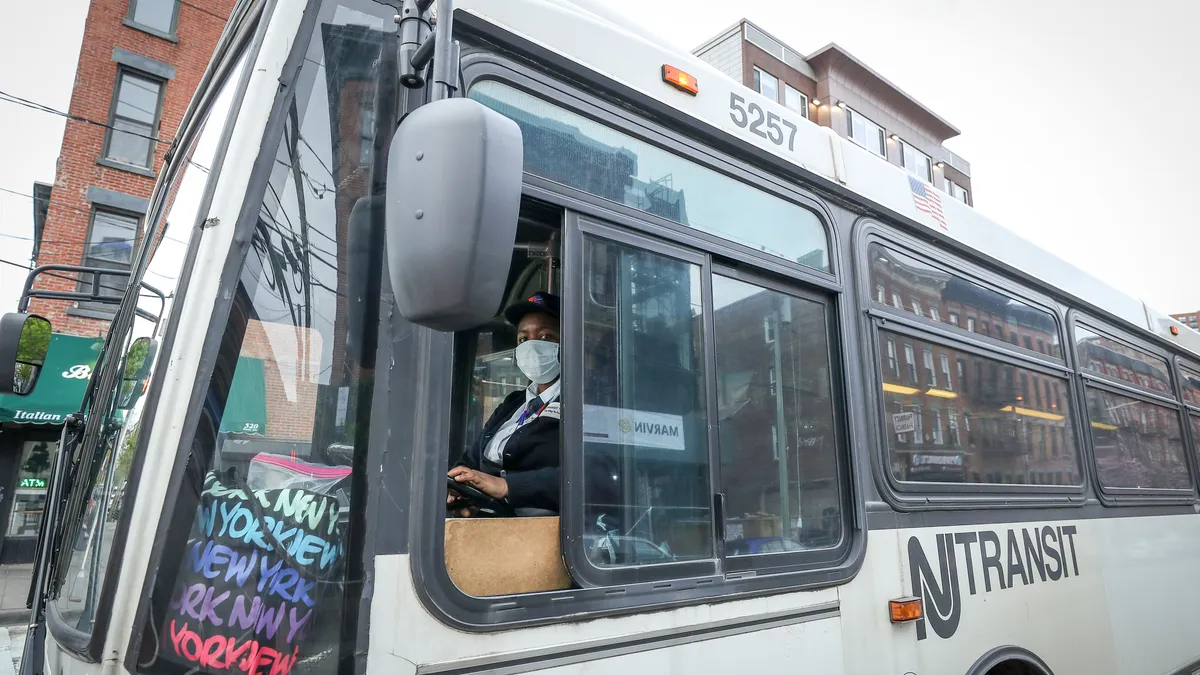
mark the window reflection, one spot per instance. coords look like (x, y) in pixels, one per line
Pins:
(1119, 361)
(913, 284)
(982, 421)
(645, 422)
(287, 408)
(1137, 444)
(575, 151)
(1191, 388)
(777, 434)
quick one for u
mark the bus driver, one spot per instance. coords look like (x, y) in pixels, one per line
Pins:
(516, 459)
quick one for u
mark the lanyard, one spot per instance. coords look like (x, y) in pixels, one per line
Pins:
(525, 413)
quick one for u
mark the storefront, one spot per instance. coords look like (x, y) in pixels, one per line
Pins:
(30, 427)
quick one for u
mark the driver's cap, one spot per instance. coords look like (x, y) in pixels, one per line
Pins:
(541, 301)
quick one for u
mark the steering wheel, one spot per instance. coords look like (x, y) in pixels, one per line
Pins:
(487, 504)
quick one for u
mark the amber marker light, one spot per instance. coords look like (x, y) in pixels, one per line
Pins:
(904, 609)
(680, 80)
(1174, 330)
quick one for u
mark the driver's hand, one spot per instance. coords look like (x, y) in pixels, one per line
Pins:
(494, 486)
(465, 510)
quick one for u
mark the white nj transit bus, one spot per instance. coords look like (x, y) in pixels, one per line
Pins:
(804, 426)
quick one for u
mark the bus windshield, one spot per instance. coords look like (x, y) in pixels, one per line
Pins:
(287, 407)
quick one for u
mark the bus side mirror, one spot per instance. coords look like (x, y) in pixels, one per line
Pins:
(24, 341)
(453, 196)
(138, 361)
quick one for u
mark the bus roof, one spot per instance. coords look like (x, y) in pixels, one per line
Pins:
(594, 36)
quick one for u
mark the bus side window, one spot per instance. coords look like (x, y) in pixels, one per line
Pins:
(646, 455)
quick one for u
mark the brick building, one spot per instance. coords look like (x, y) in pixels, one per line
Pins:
(139, 65)
(832, 88)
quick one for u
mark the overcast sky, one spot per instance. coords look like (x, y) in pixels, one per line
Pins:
(41, 46)
(1077, 117)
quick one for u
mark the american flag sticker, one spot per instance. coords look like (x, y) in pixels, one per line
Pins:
(926, 199)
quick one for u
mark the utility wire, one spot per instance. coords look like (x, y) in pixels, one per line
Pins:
(78, 281)
(65, 206)
(9, 98)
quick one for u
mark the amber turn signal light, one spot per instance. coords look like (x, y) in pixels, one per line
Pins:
(680, 80)
(904, 609)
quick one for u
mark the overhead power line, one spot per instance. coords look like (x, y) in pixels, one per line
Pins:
(10, 98)
(78, 281)
(65, 206)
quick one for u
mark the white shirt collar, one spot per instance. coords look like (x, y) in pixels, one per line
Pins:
(495, 448)
(548, 396)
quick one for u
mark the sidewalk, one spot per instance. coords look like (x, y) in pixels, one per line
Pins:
(14, 591)
(12, 645)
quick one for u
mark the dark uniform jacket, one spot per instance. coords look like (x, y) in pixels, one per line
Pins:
(531, 457)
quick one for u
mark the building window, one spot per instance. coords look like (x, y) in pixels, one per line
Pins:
(897, 302)
(918, 420)
(930, 374)
(911, 361)
(954, 438)
(766, 84)
(366, 121)
(916, 307)
(954, 319)
(957, 191)
(917, 163)
(946, 372)
(893, 364)
(1004, 437)
(768, 330)
(971, 324)
(157, 15)
(1129, 455)
(935, 313)
(134, 120)
(793, 99)
(866, 133)
(880, 294)
(110, 245)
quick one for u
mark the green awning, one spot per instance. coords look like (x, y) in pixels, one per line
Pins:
(60, 386)
(246, 409)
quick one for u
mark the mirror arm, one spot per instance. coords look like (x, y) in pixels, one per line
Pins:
(445, 53)
(415, 28)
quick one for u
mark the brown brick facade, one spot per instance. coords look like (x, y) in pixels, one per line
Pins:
(291, 367)
(70, 212)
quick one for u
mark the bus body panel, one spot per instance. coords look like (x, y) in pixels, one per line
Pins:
(1037, 585)
(1152, 597)
(813, 647)
(1114, 599)
(416, 636)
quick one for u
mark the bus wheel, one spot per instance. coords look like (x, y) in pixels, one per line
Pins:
(1014, 667)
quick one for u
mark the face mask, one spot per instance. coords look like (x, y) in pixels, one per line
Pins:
(538, 359)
